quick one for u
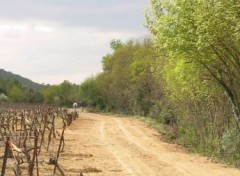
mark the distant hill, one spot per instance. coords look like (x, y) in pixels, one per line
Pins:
(25, 82)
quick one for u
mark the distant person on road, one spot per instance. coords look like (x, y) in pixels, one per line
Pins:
(75, 106)
(81, 104)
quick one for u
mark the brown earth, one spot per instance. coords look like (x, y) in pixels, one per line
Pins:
(101, 145)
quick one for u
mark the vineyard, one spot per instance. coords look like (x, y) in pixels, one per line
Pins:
(32, 139)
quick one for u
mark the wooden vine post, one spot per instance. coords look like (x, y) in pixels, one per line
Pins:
(31, 130)
(5, 157)
(58, 152)
(35, 153)
(51, 132)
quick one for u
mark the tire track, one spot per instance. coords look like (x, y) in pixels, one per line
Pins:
(173, 160)
(125, 167)
(126, 147)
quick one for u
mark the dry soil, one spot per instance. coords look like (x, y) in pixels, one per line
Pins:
(103, 145)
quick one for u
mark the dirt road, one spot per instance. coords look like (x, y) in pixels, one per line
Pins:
(99, 145)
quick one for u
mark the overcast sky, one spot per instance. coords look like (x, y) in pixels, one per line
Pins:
(49, 41)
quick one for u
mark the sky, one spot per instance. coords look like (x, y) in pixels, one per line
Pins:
(49, 41)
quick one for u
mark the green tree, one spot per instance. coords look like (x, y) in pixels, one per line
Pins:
(63, 94)
(89, 93)
(50, 93)
(3, 97)
(201, 42)
(201, 33)
(16, 94)
(116, 44)
(129, 83)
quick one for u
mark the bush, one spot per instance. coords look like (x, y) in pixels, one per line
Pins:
(231, 143)
(3, 97)
(162, 112)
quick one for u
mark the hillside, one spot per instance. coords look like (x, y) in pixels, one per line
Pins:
(5, 75)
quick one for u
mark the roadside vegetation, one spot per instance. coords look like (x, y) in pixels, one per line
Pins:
(63, 94)
(186, 75)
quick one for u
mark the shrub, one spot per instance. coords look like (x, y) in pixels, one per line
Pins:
(3, 97)
(231, 143)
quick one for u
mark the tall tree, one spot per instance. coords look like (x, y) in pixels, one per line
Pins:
(201, 39)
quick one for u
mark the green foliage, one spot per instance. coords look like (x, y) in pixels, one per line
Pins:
(201, 42)
(15, 91)
(49, 93)
(189, 137)
(203, 34)
(3, 97)
(107, 63)
(128, 84)
(63, 94)
(8, 76)
(162, 112)
(116, 44)
(90, 94)
(231, 143)
(16, 94)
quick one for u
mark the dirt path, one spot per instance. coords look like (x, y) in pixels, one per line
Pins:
(99, 145)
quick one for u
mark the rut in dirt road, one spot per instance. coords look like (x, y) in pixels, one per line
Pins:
(100, 145)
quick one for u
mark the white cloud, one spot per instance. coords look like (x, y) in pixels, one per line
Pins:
(45, 50)
(52, 41)
(12, 27)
